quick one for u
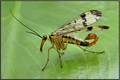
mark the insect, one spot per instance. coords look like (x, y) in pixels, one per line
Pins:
(60, 37)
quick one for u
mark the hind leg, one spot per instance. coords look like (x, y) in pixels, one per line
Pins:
(91, 51)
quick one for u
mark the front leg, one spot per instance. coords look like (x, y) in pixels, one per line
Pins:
(48, 57)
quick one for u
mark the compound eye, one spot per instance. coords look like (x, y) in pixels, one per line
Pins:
(44, 37)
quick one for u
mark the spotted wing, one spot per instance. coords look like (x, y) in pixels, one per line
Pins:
(79, 22)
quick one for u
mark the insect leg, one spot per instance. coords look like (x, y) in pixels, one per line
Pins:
(59, 57)
(91, 51)
(65, 45)
(48, 57)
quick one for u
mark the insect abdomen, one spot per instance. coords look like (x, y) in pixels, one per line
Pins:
(74, 40)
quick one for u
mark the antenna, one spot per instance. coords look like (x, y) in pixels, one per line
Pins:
(33, 32)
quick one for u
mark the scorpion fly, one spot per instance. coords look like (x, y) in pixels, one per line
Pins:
(60, 37)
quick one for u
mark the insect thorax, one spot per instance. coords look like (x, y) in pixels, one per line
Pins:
(57, 41)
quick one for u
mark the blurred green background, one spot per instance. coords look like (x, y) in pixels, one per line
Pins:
(20, 55)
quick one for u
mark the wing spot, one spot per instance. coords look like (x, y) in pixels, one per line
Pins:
(68, 23)
(95, 12)
(75, 21)
(83, 15)
(90, 28)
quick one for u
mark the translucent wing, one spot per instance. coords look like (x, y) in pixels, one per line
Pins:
(79, 22)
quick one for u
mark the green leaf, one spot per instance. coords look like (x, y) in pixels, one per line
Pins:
(20, 55)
